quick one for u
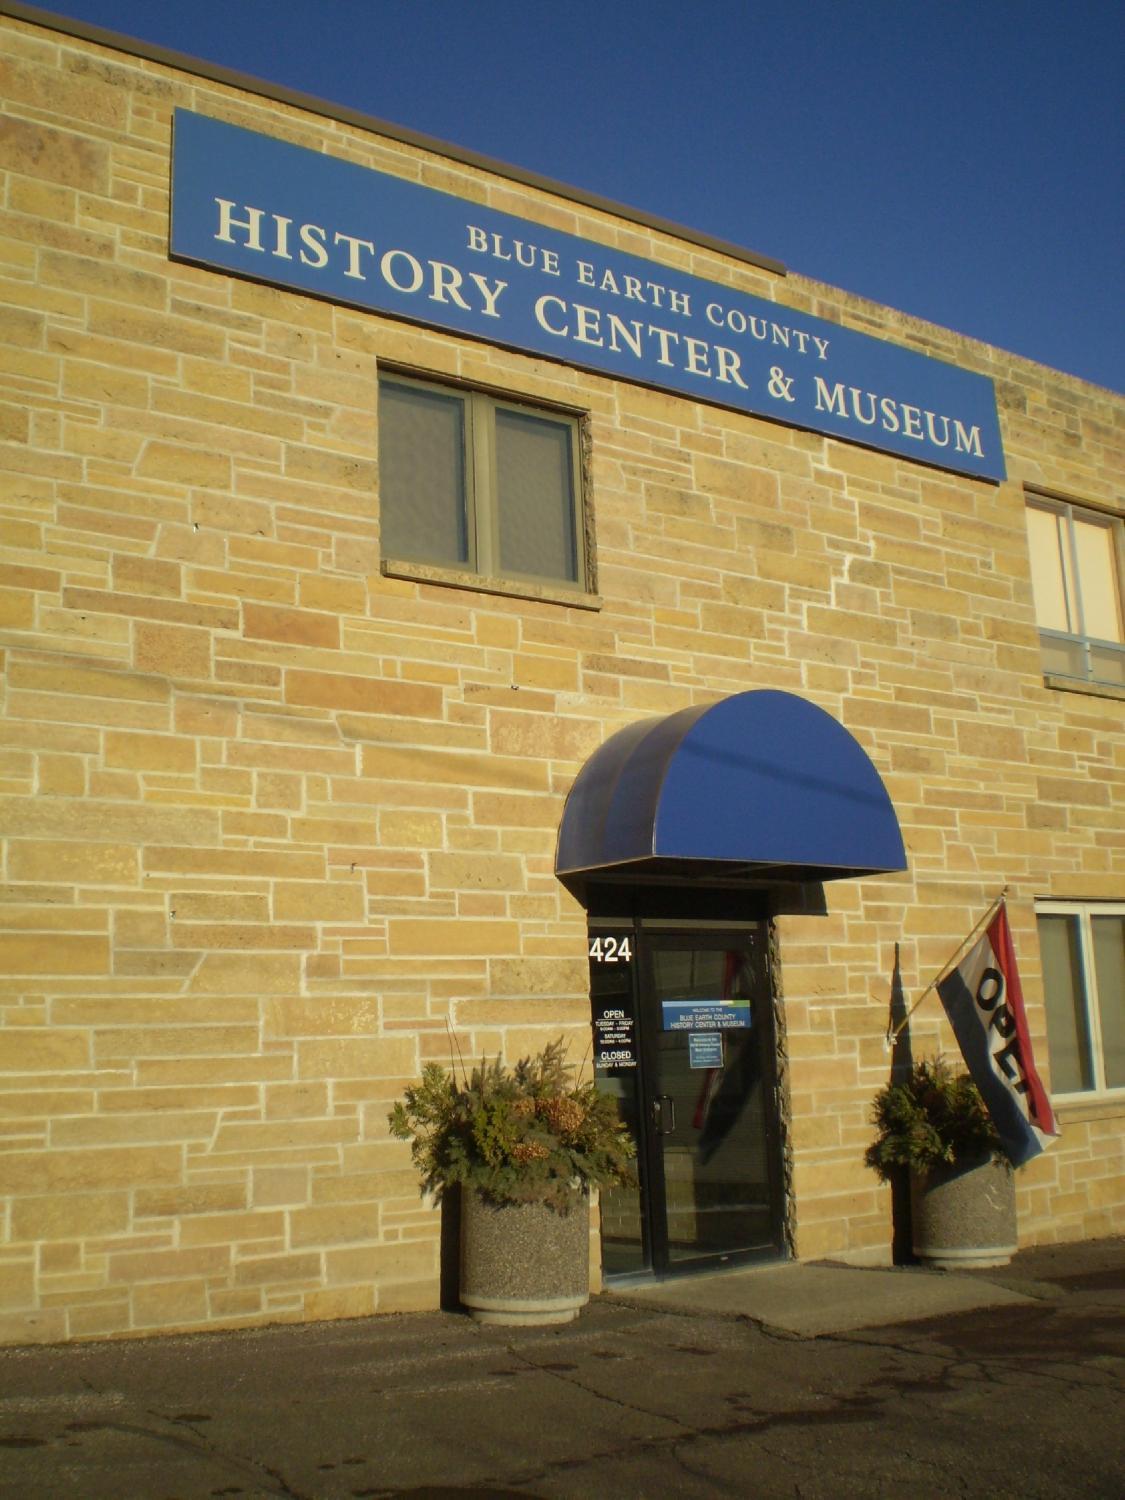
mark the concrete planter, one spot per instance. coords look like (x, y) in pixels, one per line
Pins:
(964, 1215)
(523, 1262)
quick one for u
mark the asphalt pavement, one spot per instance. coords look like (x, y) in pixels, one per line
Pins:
(812, 1381)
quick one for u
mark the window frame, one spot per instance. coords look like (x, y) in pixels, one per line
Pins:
(1085, 911)
(1111, 522)
(482, 510)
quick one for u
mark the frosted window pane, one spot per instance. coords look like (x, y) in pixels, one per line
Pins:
(1067, 658)
(422, 475)
(1109, 966)
(1045, 532)
(1067, 1035)
(535, 490)
(1107, 665)
(1101, 610)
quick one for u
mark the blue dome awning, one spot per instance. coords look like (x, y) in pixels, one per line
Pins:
(762, 786)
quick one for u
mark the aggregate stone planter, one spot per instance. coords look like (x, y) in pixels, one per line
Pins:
(523, 1262)
(964, 1216)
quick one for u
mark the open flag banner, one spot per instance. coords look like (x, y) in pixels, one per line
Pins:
(984, 1003)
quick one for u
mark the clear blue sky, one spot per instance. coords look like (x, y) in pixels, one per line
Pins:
(962, 160)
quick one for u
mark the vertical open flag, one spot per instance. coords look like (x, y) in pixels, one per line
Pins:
(984, 1003)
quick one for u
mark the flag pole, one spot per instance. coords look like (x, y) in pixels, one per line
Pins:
(893, 1033)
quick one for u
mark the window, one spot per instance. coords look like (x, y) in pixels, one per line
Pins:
(1076, 575)
(1083, 950)
(479, 484)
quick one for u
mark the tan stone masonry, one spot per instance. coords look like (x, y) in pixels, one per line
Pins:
(272, 821)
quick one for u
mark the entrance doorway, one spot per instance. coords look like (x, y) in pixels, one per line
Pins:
(684, 1042)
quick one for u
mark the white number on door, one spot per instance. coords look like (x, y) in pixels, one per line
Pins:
(611, 950)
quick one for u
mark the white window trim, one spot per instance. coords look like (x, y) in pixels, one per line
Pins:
(1093, 515)
(1084, 910)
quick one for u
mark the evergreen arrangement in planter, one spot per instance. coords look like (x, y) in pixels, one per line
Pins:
(935, 1125)
(525, 1134)
(526, 1144)
(931, 1118)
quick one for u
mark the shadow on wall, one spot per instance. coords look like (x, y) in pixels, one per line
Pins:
(902, 1064)
(450, 1249)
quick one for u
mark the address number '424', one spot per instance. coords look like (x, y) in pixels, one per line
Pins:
(611, 950)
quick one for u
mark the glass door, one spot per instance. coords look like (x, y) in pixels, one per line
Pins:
(684, 1041)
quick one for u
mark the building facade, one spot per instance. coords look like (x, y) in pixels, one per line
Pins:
(317, 603)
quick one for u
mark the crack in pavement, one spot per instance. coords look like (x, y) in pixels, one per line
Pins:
(200, 1448)
(847, 1409)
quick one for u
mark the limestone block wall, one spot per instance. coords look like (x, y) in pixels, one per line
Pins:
(274, 824)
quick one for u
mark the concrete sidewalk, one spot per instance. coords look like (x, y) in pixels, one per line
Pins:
(809, 1299)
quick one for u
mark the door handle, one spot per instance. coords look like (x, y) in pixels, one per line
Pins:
(658, 1114)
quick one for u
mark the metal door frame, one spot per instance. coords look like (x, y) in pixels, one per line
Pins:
(646, 937)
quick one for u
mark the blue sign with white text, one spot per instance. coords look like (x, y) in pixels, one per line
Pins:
(705, 1049)
(280, 213)
(704, 1015)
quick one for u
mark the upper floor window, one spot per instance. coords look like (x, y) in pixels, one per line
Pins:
(476, 483)
(1076, 575)
(1082, 945)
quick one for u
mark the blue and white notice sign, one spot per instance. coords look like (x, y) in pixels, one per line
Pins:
(262, 208)
(704, 1015)
(705, 1049)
